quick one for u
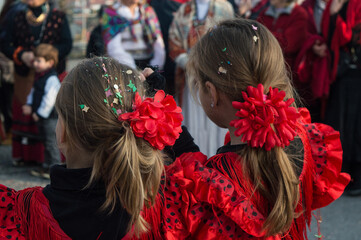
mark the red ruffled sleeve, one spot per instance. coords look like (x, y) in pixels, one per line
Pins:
(9, 221)
(202, 203)
(328, 181)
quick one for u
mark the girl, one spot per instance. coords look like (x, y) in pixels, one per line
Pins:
(111, 137)
(277, 166)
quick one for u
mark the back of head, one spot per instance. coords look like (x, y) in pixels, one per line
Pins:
(48, 52)
(247, 57)
(233, 55)
(129, 166)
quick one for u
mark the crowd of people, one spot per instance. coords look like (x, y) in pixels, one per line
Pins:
(200, 119)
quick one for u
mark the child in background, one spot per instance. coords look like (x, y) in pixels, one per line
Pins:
(41, 104)
(276, 168)
(113, 159)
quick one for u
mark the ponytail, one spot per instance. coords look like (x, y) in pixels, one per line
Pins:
(273, 175)
(131, 172)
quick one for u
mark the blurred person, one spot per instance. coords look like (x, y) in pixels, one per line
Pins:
(132, 34)
(190, 22)
(341, 27)
(9, 9)
(165, 10)
(37, 23)
(258, 6)
(313, 62)
(288, 23)
(95, 46)
(40, 104)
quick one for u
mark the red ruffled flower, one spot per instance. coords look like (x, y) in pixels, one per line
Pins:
(260, 112)
(158, 120)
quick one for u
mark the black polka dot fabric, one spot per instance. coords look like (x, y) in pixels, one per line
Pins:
(10, 227)
(201, 199)
(318, 147)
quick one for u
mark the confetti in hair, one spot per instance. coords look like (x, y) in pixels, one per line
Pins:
(84, 107)
(222, 70)
(255, 39)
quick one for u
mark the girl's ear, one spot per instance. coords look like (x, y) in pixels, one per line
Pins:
(61, 135)
(213, 93)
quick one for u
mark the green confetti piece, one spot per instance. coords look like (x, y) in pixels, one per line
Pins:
(82, 106)
(105, 101)
(224, 49)
(318, 236)
(119, 97)
(132, 86)
(115, 111)
(106, 89)
(106, 75)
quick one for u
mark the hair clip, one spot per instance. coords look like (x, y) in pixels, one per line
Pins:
(84, 107)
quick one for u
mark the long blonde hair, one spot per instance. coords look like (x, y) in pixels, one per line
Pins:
(129, 166)
(233, 55)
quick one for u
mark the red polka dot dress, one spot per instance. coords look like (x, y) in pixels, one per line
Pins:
(205, 199)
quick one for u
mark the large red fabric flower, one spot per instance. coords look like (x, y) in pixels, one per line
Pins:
(158, 120)
(265, 120)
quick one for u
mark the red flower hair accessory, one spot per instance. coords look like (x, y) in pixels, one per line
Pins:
(266, 120)
(158, 120)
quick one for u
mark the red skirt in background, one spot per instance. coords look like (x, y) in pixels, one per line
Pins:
(26, 143)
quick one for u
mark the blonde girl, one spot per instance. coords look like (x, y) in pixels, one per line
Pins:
(276, 167)
(113, 159)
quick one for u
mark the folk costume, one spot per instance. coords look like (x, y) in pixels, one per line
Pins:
(342, 32)
(24, 34)
(206, 198)
(314, 72)
(62, 210)
(133, 40)
(190, 22)
(209, 199)
(67, 209)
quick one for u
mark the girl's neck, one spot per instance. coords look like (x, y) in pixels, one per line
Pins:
(234, 140)
(78, 159)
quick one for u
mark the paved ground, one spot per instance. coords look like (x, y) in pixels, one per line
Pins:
(341, 219)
